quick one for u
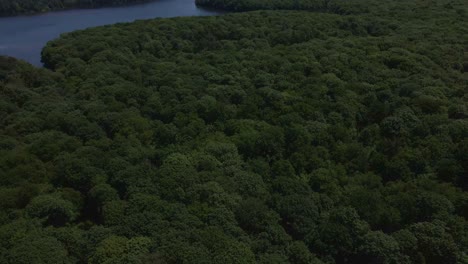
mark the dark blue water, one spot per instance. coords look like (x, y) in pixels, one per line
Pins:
(24, 37)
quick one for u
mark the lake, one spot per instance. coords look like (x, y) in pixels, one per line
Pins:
(24, 37)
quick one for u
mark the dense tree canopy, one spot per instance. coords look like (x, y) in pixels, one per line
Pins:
(249, 5)
(258, 137)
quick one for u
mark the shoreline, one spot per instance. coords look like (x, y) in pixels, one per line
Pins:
(77, 7)
(40, 28)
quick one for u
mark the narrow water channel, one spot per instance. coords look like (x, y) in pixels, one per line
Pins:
(24, 37)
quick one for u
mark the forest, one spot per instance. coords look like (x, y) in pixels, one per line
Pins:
(325, 136)
(18, 7)
(334, 6)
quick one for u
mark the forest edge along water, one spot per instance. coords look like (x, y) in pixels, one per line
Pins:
(23, 37)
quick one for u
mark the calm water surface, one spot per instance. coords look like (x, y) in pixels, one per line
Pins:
(24, 36)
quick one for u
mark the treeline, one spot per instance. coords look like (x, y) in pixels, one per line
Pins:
(389, 9)
(16, 7)
(260, 137)
(249, 5)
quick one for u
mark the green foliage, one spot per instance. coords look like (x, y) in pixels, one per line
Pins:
(37, 249)
(51, 207)
(334, 136)
(117, 249)
(249, 5)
